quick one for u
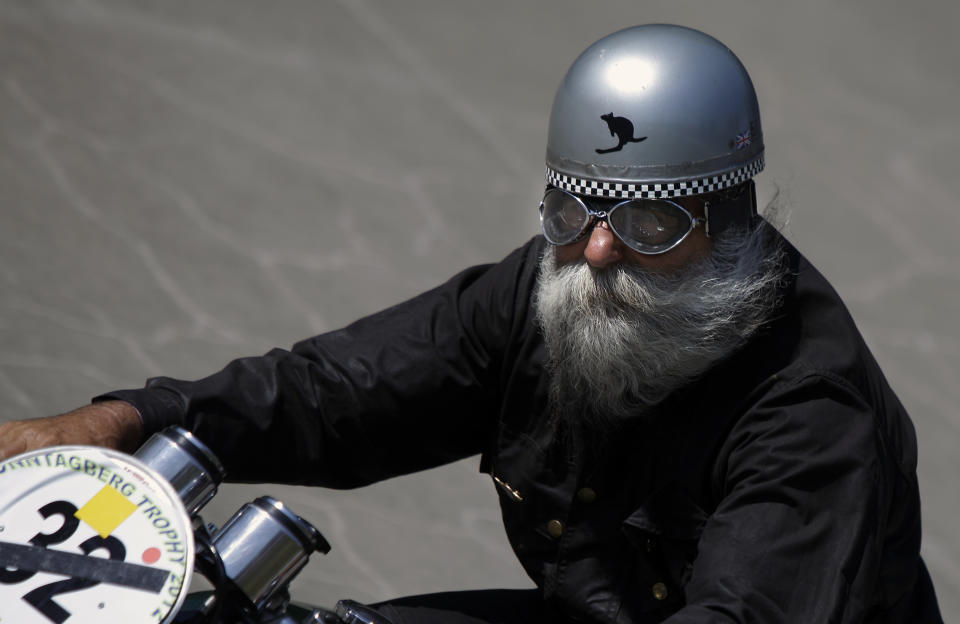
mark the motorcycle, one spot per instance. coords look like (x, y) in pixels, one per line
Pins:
(136, 523)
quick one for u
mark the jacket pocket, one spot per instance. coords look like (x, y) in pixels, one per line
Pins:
(523, 476)
(665, 530)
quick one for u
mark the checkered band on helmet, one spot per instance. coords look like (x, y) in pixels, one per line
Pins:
(665, 190)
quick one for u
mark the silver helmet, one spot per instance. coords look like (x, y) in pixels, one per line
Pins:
(654, 111)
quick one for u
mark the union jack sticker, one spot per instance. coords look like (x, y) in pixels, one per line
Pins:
(742, 140)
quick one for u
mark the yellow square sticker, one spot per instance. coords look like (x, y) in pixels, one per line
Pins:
(106, 511)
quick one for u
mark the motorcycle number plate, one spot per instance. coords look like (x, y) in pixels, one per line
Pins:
(90, 535)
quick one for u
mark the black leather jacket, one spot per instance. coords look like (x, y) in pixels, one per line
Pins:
(780, 487)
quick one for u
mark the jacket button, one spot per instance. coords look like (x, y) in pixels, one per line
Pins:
(586, 495)
(555, 528)
(659, 591)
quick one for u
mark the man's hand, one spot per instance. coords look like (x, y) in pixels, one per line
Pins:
(113, 424)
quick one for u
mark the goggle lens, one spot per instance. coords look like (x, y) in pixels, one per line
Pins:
(648, 226)
(563, 217)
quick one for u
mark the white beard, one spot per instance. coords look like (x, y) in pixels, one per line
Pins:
(620, 340)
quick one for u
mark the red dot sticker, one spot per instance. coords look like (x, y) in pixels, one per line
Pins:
(151, 555)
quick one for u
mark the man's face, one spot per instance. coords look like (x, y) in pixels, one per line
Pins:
(623, 329)
(602, 248)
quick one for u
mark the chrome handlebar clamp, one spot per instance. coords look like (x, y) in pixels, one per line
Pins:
(254, 556)
(186, 462)
(263, 546)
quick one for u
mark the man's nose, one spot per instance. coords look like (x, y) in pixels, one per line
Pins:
(603, 247)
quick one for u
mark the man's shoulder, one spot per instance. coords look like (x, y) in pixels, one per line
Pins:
(809, 367)
(813, 334)
(815, 372)
(519, 266)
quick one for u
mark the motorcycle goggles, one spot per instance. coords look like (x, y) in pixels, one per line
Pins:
(647, 226)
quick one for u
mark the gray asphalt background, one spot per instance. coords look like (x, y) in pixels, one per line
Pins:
(182, 183)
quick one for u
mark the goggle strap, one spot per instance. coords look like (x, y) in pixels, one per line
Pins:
(739, 211)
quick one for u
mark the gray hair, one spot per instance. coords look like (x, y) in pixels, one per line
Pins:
(622, 338)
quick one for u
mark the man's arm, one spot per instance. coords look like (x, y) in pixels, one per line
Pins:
(408, 388)
(113, 424)
(819, 519)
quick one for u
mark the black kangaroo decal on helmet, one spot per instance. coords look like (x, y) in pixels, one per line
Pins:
(623, 128)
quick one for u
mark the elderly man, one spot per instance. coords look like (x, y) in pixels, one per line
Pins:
(682, 421)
